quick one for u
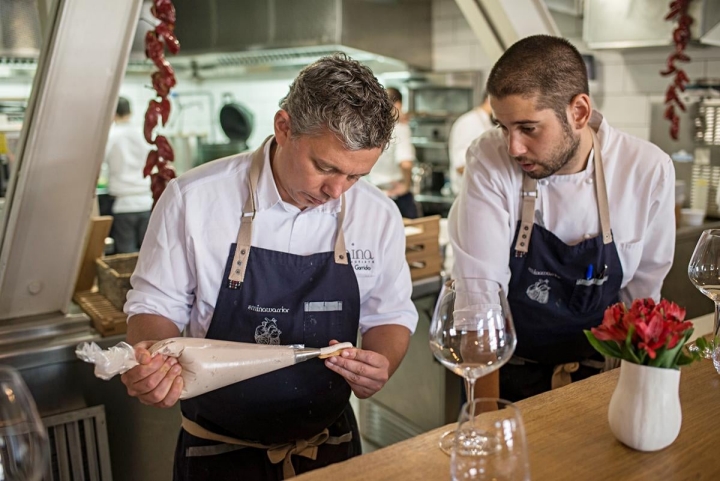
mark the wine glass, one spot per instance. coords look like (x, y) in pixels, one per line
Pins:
(704, 272)
(23, 438)
(490, 446)
(471, 333)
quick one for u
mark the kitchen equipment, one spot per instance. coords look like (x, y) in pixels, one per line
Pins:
(692, 217)
(237, 123)
(422, 246)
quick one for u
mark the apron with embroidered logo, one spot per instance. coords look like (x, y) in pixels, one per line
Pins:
(554, 295)
(273, 297)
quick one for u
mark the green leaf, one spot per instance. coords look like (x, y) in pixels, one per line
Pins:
(629, 349)
(606, 348)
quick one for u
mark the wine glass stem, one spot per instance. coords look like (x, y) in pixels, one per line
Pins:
(470, 391)
(716, 325)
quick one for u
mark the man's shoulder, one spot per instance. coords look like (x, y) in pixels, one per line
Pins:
(228, 171)
(634, 151)
(366, 199)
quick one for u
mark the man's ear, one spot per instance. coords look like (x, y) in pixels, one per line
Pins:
(580, 110)
(282, 127)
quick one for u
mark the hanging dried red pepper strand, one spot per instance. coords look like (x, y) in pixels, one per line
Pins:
(681, 37)
(156, 164)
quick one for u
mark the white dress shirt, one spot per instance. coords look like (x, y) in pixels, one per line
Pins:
(183, 256)
(387, 170)
(641, 189)
(125, 154)
(468, 127)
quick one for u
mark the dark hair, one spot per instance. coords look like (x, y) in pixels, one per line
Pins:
(123, 107)
(343, 96)
(394, 94)
(549, 68)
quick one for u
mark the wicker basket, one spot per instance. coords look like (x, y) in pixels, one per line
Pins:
(114, 277)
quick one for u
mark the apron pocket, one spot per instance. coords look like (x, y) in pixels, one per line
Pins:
(587, 296)
(322, 322)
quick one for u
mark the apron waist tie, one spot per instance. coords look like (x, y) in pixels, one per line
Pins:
(307, 448)
(561, 375)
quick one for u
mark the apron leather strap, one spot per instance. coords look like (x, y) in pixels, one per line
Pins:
(244, 237)
(529, 194)
(277, 453)
(601, 192)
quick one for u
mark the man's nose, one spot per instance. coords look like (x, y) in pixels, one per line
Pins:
(516, 147)
(335, 186)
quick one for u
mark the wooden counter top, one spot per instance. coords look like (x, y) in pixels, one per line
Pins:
(569, 439)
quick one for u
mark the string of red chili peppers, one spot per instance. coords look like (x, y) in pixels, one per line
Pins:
(156, 165)
(681, 37)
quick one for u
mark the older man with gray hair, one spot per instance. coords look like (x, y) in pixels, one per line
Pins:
(282, 240)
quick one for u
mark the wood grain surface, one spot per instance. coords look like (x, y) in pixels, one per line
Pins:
(569, 439)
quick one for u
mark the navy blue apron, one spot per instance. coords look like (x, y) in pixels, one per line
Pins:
(273, 297)
(554, 294)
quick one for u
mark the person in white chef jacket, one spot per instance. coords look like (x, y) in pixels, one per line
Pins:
(283, 240)
(393, 171)
(468, 127)
(567, 213)
(125, 155)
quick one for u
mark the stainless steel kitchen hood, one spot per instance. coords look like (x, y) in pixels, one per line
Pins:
(262, 33)
(640, 23)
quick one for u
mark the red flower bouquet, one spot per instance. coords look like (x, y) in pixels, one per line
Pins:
(648, 333)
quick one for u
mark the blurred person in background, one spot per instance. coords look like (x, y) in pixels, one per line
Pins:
(125, 155)
(393, 172)
(468, 127)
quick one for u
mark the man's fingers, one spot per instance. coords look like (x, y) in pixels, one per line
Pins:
(153, 382)
(366, 357)
(173, 395)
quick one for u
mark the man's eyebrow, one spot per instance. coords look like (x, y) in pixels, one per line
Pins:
(517, 122)
(326, 165)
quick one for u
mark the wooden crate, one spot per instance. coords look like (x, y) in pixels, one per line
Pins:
(422, 246)
(114, 277)
(107, 319)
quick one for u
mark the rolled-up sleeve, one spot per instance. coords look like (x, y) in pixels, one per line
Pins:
(164, 280)
(390, 299)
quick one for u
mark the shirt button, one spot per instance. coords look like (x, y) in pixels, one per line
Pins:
(587, 236)
(589, 181)
(543, 182)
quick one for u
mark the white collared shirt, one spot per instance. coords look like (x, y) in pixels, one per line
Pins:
(183, 256)
(387, 169)
(641, 195)
(125, 155)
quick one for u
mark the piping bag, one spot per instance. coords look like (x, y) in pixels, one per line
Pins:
(207, 364)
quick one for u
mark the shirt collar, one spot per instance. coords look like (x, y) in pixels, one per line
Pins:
(268, 195)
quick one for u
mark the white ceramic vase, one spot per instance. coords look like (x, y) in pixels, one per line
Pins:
(644, 411)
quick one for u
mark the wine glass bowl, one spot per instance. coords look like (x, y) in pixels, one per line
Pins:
(490, 446)
(704, 270)
(23, 438)
(471, 333)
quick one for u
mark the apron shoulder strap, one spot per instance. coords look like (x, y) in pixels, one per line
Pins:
(601, 191)
(529, 196)
(244, 237)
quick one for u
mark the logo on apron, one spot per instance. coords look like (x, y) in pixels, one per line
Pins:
(268, 333)
(540, 291)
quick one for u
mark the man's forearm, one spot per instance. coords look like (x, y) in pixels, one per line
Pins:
(150, 327)
(390, 340)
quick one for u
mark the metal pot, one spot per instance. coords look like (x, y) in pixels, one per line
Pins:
(237, 123)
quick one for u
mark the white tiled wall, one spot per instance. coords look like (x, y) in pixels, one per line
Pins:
(455, 46)
(627, 80)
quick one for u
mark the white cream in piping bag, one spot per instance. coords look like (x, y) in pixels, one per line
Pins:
(209, 364)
